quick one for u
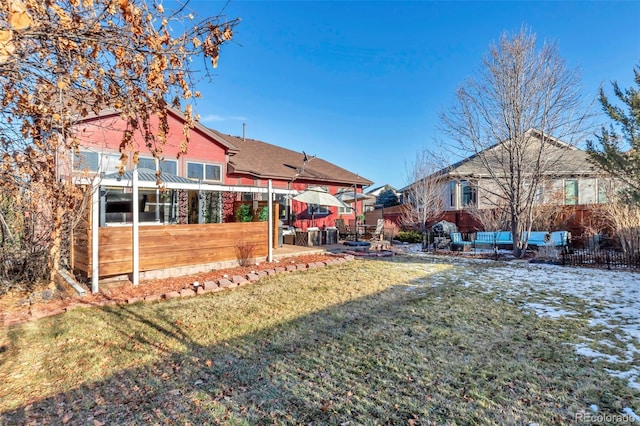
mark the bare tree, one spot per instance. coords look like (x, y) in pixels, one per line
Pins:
(505, 118)
(491, 219)
(550, 213)
(425, 196)
(623, 218)
(64, 60)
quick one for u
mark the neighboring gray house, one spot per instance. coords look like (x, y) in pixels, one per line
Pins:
(570, 178)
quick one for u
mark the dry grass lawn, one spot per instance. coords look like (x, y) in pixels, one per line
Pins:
(371, 341)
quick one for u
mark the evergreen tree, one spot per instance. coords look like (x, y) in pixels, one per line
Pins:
(388, 198)
(617, 149)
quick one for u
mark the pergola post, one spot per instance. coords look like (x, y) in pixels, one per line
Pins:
(270, 220)
(95, 243)
(136, 229)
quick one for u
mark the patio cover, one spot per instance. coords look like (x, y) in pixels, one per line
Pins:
(147, 179)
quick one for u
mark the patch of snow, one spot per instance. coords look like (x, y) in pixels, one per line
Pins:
(549, 311)
(610, 299)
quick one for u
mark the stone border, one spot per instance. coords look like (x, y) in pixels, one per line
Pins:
(196, 289)
(231, 282)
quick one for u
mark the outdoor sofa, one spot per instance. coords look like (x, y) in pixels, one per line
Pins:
(503, 239)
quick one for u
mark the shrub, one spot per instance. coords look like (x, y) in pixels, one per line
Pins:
(409, 237)
(244, 213)
(244, 251)
(264, 214)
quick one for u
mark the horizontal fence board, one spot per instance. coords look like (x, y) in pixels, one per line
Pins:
(175, 245)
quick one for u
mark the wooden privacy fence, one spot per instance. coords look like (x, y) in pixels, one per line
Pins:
(168, 246)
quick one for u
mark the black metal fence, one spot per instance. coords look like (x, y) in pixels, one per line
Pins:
(601, 258)
(600, 251)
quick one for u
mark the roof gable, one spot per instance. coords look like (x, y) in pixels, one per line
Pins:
(560, 158)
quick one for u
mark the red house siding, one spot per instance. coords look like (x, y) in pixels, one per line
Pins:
(105, 134)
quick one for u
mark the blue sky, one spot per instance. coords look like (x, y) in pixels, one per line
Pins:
(362, 84)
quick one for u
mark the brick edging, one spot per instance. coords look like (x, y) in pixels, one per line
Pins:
(235, 281)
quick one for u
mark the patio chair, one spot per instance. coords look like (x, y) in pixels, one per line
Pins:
(377, 234)
(458, 244)
(343, 231)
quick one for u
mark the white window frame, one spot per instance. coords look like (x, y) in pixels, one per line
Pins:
(576, 195)
(453, 194)
(107, 161)
(602, 189)
(79, 161)
(345, 210)
(204, 170)
(464, 185)
(318, 209)
(162, 164)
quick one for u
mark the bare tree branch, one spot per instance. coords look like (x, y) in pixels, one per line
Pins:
(505, 118)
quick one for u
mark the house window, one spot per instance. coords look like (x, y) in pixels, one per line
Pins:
(318, 209)
(206, 172)
(468, 194)
(86, 161)
(453, 191)
(152, 207)
(602, 191)
(538, 196)
(345, 210)
(166, 166)
(571, 191)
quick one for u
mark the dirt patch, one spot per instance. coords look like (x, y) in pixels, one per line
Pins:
(18, 307)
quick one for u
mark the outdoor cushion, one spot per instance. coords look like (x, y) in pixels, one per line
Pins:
(560, 238)
(503, 237)
(485, 237)
(537, 238)
(456, 238)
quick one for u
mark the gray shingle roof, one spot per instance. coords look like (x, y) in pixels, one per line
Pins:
(263, 160)
(559, 159)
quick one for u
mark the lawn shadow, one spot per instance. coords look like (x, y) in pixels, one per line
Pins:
(402, 355)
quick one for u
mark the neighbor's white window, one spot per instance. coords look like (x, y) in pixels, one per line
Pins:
(205, 172)
(468, 193)
(571, 191)
(604, 186)
(318, 209)
(538, 198)
(453, 193)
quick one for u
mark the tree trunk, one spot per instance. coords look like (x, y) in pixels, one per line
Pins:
(55, 246)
